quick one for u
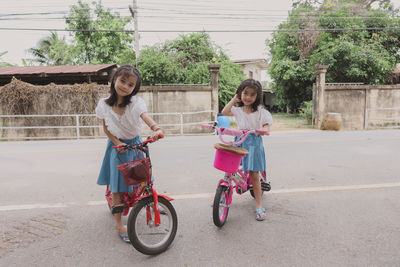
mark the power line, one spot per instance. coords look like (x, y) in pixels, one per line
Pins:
(260, 19)
(243, 31)
(192, 12)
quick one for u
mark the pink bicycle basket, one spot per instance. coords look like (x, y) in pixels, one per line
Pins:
(227, 158)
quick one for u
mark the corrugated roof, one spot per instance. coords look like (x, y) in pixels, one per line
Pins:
(53, 69)
(58, 74)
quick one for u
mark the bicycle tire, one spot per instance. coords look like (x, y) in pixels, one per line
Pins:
(220, 210)
(136, 222)
(265, 187)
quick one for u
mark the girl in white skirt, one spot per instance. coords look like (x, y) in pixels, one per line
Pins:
(122, 114)
(250, 114)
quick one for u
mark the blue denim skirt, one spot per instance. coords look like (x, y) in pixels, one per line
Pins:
(255, 159)
(109, 174)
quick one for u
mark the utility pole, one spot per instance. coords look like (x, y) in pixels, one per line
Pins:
(134, 13)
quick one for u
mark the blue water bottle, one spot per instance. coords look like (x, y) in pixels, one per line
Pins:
(223, 121)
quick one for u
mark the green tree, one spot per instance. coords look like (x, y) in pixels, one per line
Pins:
(366, 55)
(3, 63)
(51, 50)
(185, 60)
(99, 35)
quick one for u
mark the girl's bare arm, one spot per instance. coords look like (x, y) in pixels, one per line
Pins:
(265, 127)
(157, 132)
(113, 139)
(227, 110)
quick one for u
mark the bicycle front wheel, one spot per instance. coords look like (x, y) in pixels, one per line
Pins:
(220, 208)
(143, 234)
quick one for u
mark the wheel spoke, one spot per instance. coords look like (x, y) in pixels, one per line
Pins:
(144, 235)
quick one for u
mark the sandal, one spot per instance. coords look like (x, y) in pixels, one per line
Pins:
(125, 238)
(259, 212)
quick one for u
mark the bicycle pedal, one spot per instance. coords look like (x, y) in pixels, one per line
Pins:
(239, 190)
(265, 186)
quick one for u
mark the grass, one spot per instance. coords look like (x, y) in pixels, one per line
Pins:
(286, 120)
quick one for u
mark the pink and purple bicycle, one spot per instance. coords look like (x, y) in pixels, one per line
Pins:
(227, 159)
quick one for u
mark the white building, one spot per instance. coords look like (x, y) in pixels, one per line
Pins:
(255, 69)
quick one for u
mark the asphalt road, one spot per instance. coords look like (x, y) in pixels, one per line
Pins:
(334, 202)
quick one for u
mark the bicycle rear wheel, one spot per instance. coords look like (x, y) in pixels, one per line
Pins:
(143, 234)
(265, 186)
(220, 208)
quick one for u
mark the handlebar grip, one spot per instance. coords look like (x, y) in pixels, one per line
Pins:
(205, 125)
(151, 140)
(119, 146)
(148, 140)
(266, 132)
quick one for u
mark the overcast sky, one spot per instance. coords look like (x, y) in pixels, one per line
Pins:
(172, 15)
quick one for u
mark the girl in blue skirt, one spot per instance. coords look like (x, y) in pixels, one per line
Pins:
(250, 114)
(122, 114)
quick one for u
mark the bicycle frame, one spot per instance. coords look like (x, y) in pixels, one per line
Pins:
(241, 186)
(238, 179)
(143, 190)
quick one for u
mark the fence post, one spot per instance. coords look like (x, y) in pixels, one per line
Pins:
(214, 69)
(319, 94)
(77, 126)
(182, 123)
(366, 119)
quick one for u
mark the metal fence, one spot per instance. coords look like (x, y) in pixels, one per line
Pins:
(78, 125)
(382, 118)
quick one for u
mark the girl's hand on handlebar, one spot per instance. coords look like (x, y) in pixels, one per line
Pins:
(157, 135)
(260, 133)
(263, 131)
(121, 148)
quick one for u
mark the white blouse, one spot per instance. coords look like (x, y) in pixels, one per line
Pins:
(125, 126)
(252, 121)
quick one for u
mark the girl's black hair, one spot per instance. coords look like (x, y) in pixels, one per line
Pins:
(256, 85)
(124, 70)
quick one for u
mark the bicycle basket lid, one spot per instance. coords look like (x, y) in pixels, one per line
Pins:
(233, 149)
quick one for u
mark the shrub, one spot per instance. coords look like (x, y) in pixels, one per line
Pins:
(306, 111)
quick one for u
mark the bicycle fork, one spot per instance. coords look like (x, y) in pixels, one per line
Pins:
(155, 196)
(225, 182)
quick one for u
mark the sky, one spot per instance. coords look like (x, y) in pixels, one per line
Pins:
(223, 16)
(182, 15)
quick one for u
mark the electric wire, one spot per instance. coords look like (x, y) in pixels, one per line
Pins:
(240, 30)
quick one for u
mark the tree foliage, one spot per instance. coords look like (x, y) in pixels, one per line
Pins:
(52, 50)
(356, 42)
(94, 46)
(98, 37)
(3, 63)
(185, 60)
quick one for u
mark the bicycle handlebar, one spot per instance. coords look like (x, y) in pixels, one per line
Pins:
(144, 143)
(233, 132)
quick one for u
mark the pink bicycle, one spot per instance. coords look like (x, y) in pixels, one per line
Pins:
(227, 159)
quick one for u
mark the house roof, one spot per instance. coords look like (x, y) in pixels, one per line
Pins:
(58, 74)
(259, 62)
